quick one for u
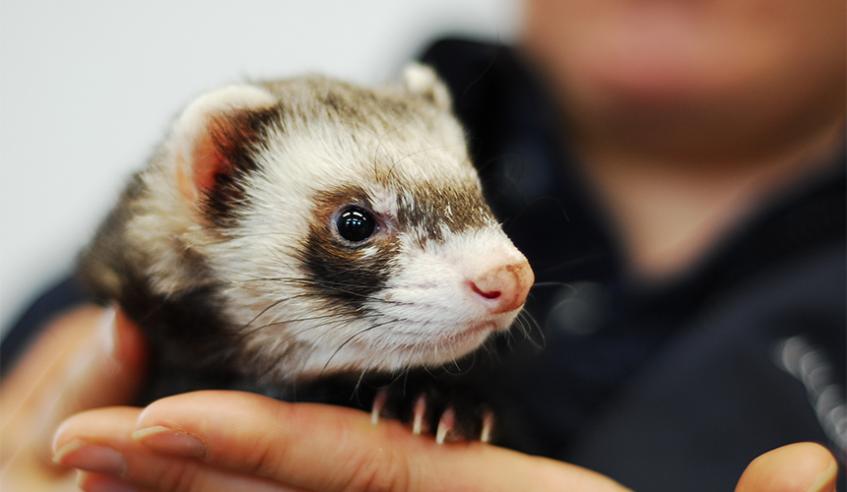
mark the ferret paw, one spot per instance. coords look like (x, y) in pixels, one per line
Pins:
(433, 411)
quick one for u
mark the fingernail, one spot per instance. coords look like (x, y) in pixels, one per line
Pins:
(826, 480)
(108, 331)
(169, 441)
(90, 457)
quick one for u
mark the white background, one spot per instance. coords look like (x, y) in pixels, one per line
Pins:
(87, 87)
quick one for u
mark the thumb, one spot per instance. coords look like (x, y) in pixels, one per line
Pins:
(104, 367)
(802, 466)
(108, 370)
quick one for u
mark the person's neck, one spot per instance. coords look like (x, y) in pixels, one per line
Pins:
(669, 210)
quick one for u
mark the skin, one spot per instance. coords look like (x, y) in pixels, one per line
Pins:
(250, 442)
(81, 360)
(685, 114)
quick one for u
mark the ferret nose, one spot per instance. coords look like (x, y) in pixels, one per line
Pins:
(504, 288)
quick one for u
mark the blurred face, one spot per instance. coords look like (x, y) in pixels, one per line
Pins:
(746, 69)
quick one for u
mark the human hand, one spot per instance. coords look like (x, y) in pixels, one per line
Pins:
(85, 359)
(224, 440)
(221, 440)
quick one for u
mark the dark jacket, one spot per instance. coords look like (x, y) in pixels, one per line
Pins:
(663, 387)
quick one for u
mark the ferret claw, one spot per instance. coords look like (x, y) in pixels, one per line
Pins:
(418, 414)
(379, 403)
(453, 414)
(487, 426)
(445, 425)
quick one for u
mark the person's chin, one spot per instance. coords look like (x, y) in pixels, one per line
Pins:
(647, 76)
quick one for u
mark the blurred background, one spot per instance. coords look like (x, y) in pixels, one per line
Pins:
(88, 87)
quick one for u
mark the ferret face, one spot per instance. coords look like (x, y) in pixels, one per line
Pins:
(345, 226)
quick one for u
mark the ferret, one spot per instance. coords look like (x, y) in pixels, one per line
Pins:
(290, 231)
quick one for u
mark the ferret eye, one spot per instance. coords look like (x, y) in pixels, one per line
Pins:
(355, 224)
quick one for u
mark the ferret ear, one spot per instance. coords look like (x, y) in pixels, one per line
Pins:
(212, 134)
(422, 80)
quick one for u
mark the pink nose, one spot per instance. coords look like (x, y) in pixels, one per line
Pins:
(505, 287)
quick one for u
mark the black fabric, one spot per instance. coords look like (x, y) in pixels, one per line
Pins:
(663, 387)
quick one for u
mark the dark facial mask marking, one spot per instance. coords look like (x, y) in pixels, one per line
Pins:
(458, 208)
(342, 273)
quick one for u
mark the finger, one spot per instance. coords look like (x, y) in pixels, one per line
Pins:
(98, 441)
(802, 466)
(88, 358)
(99, 482)
(96, 482)
(45, 359)
(107, 371)
(319, 447)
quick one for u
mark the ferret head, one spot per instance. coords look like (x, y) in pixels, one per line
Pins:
(344, 227)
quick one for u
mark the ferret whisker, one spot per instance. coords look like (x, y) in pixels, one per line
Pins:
(405, 372)
(472, 360)
(519, 323)
(555, 284)
(350, 339)
(525, 326)
(375, 298)
(340, 287)
(340, 318)
(533, 326)
(454, 363)
(334, 322)
(526, 323)
(359, 381)
(489, 350)
(246, 329)
(271, 306)
(509, 337)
